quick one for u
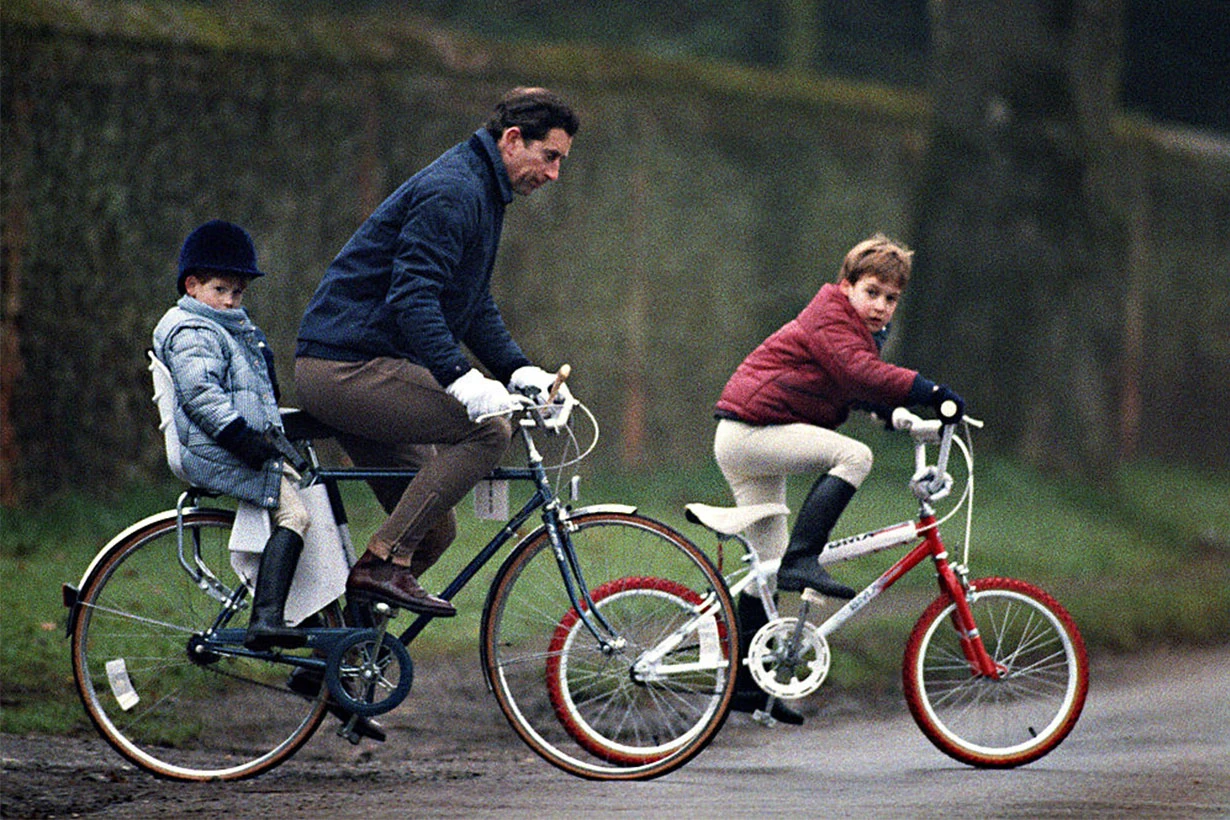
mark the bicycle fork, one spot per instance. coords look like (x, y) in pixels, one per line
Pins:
(955, 583)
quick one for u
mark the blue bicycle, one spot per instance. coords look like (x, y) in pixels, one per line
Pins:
(606, 636)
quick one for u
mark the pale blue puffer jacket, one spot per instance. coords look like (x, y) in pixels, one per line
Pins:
(218, 365)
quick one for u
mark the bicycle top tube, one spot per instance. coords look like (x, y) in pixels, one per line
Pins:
(303, 428)
(368, 473)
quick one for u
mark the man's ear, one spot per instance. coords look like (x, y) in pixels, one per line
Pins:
(511, 133)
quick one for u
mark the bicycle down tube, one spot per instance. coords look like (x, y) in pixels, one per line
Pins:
(931, 546)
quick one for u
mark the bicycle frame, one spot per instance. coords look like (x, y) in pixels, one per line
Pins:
(543, 498)
(953, 580)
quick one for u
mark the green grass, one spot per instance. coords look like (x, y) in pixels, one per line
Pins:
(1138, 562)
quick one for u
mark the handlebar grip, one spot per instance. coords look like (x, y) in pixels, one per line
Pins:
(903, 419)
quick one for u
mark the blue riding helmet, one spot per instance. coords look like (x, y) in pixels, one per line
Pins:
(218, 246)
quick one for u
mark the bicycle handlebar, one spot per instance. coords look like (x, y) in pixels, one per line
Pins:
(926, 429)
(530, 404)
(918, 427)
(930, 483)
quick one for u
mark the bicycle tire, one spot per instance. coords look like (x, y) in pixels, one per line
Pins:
(590, 712)
(1030, 709)
(619, 601)
(175, 712)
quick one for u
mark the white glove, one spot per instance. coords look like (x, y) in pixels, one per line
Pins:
(480, 395)
(537, 383)
(530, 381)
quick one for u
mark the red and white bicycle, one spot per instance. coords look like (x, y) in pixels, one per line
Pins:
(995, 672)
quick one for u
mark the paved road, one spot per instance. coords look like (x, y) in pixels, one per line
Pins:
(1154, 741)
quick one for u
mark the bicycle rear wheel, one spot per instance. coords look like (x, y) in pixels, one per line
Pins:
(164, 704)
(1030, 708)
(651, 699)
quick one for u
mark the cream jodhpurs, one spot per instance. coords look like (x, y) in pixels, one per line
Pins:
(291, 512)
(757, 460)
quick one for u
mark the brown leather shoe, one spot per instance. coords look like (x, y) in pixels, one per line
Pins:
(374, 579)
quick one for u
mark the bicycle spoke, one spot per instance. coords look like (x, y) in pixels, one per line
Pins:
(202, 716)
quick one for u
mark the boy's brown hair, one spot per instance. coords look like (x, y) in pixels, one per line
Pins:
(880, 257)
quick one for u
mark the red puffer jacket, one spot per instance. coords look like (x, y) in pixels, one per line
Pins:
(813, 368)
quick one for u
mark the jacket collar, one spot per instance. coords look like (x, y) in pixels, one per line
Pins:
(486, 146)
(233, 319)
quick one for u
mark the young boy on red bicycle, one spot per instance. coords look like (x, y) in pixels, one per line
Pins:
(778, 414)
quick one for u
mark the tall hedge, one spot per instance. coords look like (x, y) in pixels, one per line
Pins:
(700, 208)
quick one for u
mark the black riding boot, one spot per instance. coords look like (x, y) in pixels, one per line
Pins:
(748, 696)
(268, 628)
(800, 569)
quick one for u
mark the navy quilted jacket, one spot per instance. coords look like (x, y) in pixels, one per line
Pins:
(414, 280)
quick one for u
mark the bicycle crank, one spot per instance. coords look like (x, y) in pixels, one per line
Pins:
(369, 672)
(788, 659)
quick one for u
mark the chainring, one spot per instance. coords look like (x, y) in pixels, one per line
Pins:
(368, 672)
(784, 673)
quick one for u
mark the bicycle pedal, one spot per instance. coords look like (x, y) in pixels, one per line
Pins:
(810, 596)
(764, 718)
(349, 734)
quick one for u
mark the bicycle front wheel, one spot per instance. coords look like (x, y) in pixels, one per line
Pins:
(648, 696)
(1034, 703)
(163, 703)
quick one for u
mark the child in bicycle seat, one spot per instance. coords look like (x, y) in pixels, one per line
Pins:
(778, 414)
(226, 398)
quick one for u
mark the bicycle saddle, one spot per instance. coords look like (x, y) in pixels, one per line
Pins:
(732, 520)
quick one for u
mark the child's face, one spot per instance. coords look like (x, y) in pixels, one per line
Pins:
(220, 292)
(874, 300)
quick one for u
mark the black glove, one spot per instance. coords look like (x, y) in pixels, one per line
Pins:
(250, 446)
(940, 395)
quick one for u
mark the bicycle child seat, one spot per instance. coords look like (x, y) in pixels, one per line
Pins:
(164, 399)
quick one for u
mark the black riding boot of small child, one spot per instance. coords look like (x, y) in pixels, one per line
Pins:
(748, 696)
(267, 627)
(800, 569)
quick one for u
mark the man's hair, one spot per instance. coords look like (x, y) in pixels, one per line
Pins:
(880, 257)
(535, 111)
